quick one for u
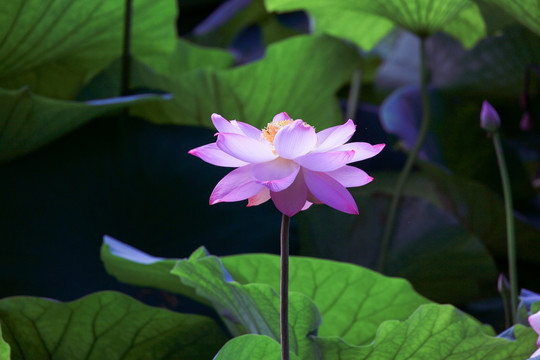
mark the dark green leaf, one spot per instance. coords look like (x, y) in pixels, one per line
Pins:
(55, 46)
(104, 325)
(28, 121)
(526, 12)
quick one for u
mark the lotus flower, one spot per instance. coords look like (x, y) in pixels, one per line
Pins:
(287, 162)
(534, 320)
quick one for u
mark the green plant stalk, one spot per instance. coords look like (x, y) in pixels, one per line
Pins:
(354, 92)
(510, 232)
(284, 288)
(411, 159)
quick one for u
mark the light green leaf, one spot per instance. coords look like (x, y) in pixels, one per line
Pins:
(442, 260)
(434, 332)
(55, 46)
(187, 57)
(252, 308)
(366, 21)
(364, 29)
(294, 76)
(104, 325)
(527, 12)
(5, 350)
(344, 293)
(132, 266)
(353, 301)
(28, 121)
(250, 347)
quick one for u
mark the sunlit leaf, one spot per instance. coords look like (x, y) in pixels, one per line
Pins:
(249, 347)
(343, 292)
(28, 121)
(54, 46)
(526, 12)
(104, 325)
(366, 21)
(440, 257)
(434, 332)
(5, 350)
(294, 76)
(251, 308)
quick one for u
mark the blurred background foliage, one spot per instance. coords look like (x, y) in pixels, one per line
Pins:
(74, 168)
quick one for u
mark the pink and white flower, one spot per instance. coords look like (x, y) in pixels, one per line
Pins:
(287, 162)
(534, 320)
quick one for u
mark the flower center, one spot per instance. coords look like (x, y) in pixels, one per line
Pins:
(270, 131)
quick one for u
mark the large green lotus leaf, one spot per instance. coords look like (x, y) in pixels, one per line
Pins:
(434, 332)
(430, 248)
(493, 68)
(104, 325)
(28, 121)
(353, 300)
(295, 76)
(445, 225)
(343, 292)
(249, 347)
(527, 12)
(132, 266)
(250, 308)
(54, 46)
(459, 18)
(186, 57)
(5, 350)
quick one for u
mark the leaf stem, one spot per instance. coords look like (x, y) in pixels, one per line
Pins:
(284, 288)
(411, 159)
(354, 92)
(510, 233)
(126, 49)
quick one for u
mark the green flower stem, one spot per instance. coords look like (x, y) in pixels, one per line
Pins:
(284, 288)
(126, 49)
(354, 92)
(510, 233)
(411, 159)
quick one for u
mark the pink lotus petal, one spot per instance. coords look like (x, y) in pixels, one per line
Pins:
(223, 125)
(215, 156)
(307, 205)
(536, 353)
(249, 130)
(350, 176)
(333, 137)
(281, 117)
(259, 198)
(534, 320)
(291, 200)
(362, 150)
(245, 148)
(330, 192)
(277, 174)
(235, 186)
(295, 139)
(325, 161)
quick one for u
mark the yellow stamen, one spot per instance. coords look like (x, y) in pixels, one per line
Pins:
(270, 131)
